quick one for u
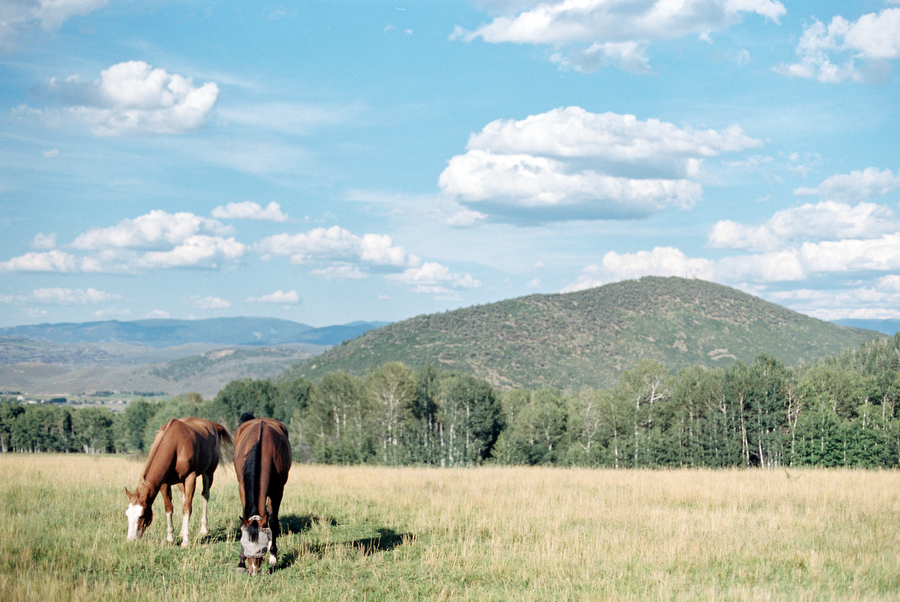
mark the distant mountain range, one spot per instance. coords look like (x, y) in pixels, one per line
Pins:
(165, 357)
(562, 341)
(888, 327)
(256, 332)
(587, 338)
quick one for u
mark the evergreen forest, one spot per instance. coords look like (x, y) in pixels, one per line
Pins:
(840, 410)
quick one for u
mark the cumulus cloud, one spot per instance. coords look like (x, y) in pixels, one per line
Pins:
(873, 37)
(593, 33)
(250, 210)
(336, 244)
(194, 251)
(857, 185)
(131, 98)
(211, 303)
(68, 296)
(824, 220)
(434, 279)
(279, 296)
(340, 272)
(50, 261)
(44, 241)
(19, 18)
(151, 229)
(569, 163)
(661, 261)
(156, 240)
(876, 302)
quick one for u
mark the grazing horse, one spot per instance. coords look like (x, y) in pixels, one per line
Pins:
(262, 460)
(182, 450)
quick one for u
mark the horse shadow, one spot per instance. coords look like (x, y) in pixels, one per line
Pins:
(386, 540)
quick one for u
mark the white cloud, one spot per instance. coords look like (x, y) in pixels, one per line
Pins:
(19, 18)
(630, 56)
(787, 265)
(51, 261)
(569, 163)
(250, 210)
(68, 296)
(44, 241)
(336, 244)
(434, 279)
(849, 255)
(661, 261)
(612, 30)
(211, 303)
(195, 251)
(156, 240)
(279, 296)
(855, 186)
(873, 37)
(341, 272)
(130, 98)
(864, 303)
(822, 221)
(151, 229)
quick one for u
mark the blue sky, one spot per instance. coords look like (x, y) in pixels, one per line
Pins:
(334, 161)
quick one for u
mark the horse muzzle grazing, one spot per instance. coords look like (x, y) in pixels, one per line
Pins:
(139, 517)
(256, 543)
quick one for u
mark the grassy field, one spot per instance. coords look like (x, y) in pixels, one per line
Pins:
(539, 534)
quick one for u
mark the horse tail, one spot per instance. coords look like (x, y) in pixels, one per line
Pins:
(224, 435)
(226, 443)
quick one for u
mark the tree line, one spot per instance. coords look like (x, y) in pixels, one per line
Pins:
(838, 411)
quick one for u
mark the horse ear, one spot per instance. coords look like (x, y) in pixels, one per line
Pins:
(243, 522)
(128, 493)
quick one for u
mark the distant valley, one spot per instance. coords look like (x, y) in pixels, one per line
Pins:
(167, 357)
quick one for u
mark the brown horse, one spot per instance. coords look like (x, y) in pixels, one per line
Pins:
(182, 450)
(262, 460)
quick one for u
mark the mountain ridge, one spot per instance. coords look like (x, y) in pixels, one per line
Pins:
(587, 338)
(163, 333)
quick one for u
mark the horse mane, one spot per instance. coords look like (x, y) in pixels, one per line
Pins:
(144, 485)
(251, 473)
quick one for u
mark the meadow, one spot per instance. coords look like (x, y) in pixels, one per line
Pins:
(491, 533)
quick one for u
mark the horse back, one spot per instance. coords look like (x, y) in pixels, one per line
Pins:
(189, 445)
(274, 446)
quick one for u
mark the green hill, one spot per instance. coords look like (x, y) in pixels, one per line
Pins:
(587, 338)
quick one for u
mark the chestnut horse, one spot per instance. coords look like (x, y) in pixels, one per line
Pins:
(182, 450)
(262, 460)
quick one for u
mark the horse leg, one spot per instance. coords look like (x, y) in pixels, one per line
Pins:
(207, 483)
(166, 492)
(272, 510)
(187, 490)
(242, 562)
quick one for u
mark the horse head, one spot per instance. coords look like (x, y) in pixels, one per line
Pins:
(139, 514)
(256, 542)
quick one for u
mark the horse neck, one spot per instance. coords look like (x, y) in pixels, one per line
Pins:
(162, 459)
(146, 492)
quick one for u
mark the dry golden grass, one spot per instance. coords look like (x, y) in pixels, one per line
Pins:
(368, 533)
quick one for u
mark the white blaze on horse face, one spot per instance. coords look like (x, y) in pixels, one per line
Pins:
(133, 513)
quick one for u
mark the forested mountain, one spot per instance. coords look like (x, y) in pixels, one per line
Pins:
(587, 338)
